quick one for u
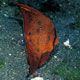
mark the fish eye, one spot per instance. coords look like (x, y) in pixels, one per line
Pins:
(29, 33)
(30, 40)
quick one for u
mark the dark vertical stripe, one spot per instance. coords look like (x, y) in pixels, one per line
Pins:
(55, 36)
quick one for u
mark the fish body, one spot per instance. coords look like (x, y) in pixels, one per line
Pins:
(40, 36)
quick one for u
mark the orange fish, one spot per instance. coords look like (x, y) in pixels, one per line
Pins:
(40, 36)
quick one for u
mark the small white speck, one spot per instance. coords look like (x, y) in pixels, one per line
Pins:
(10, 54)
(12, 78)
(78, 51)
(21, 35)
(21, 52)
(22, 41)
(66, 43)
(0, 26)
(0, 49)
(4, 3)
(12, 38)
(37, 78)
(6, 15)
(75, 67)
(14, 47)
(55, 57)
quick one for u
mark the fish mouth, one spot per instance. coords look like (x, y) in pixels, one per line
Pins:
(26, 9)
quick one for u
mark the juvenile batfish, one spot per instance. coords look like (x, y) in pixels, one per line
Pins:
(40, 36)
